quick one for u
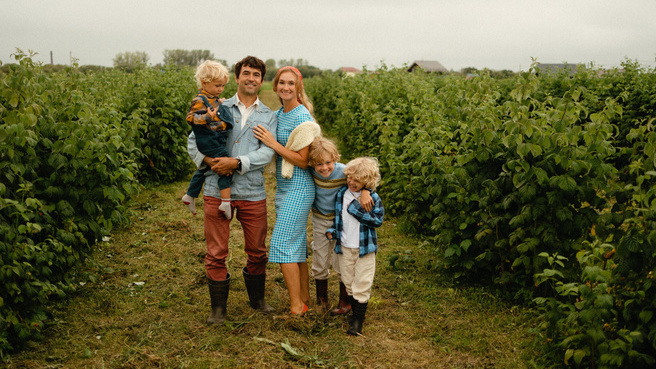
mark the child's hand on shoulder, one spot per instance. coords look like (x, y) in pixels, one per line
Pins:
(366, 201)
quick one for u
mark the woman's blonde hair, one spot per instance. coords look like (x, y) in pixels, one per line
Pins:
(301, 95)
(211, 70)
(365, 170)
(321, 147)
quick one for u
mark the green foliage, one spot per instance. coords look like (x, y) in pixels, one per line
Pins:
(307, 70)
(189, 57)
(73, 149)
(130, 61)
(471, 72)
(600, 319)
(270, 69)
(511, 179)
(155, 103)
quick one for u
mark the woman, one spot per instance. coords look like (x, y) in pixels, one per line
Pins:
(295, 187)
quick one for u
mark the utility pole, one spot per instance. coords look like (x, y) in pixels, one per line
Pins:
(51, 62)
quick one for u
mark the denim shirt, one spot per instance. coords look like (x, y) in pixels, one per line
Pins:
(248, 184)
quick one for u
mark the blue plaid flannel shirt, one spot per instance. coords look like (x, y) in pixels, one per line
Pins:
(369, 221)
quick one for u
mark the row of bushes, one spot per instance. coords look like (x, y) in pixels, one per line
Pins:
(540, 184)
(73, 148)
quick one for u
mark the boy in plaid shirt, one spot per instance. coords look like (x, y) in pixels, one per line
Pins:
(354, 231)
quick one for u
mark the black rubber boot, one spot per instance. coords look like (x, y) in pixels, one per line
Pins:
(344, 305)
(351, 302)
(322, 292)
(219, 298)
(255, 288)
(359, 312)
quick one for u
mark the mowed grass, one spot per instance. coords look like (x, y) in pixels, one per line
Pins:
(150, 301)
(269, 97)
(148, 305)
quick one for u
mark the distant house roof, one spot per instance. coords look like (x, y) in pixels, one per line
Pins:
(350, 70)
(558, 67)
(428, 66)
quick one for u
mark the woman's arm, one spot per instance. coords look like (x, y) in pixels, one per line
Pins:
(298, 158)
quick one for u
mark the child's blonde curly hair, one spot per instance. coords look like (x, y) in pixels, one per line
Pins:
(211, 70)
(319, 149)
(365, 170)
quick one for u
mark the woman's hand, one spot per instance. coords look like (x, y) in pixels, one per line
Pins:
(265, 136)
(298, 158)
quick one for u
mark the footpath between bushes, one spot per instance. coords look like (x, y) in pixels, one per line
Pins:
(149, 302)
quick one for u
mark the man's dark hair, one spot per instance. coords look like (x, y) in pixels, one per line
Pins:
(253, 62)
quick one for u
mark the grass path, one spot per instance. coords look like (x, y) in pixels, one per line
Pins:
(269, 98)
(148, 306)
(149, 301)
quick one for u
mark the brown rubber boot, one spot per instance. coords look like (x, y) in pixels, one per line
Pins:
(322, 292)
(344, 305)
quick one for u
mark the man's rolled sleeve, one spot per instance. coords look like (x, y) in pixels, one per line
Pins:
(245, 164)
(196, 156)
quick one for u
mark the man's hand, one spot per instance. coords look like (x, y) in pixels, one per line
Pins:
(224, 166)
(210, 161)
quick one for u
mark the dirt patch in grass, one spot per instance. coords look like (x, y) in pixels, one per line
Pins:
(149, 301)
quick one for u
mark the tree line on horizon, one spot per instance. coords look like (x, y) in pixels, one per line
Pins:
(131, 61)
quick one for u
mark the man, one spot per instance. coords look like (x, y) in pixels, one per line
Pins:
(248, 159)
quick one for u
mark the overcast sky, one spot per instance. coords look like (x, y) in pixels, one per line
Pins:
(503, 34)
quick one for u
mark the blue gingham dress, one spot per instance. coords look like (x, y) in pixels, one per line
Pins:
(294, 198)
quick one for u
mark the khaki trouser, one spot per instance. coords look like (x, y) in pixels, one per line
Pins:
(357, 273)
(323, 249)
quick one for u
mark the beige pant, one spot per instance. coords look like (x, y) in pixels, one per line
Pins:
(322, 249)
(357, 273)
